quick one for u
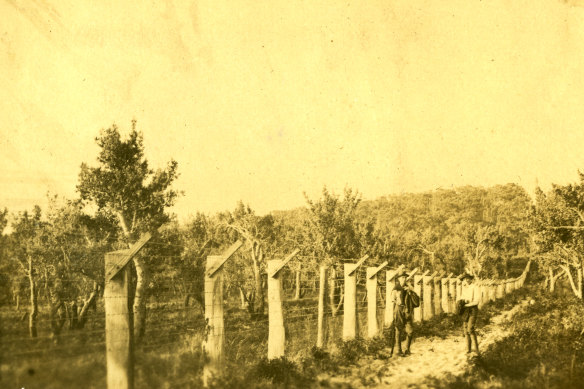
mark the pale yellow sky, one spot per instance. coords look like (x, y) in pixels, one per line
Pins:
(262, 100)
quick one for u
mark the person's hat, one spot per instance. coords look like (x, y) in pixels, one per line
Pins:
(467, 275)
(403, 273)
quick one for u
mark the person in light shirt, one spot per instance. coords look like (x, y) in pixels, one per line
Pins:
(470, 296)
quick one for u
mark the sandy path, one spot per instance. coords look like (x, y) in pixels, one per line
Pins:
(431, 357)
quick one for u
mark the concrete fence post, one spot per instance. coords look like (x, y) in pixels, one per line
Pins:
(418, 313)
(276, 334)
(350, 303)
(119, 327)
(322, 292)
(371, 284)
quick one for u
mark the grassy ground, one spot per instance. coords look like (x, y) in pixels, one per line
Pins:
(545, 348)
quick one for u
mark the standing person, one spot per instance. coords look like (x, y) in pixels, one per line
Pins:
(404, 300)
(470, 297)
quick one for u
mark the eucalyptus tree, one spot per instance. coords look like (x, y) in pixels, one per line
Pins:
(124, 184)
(559, 227)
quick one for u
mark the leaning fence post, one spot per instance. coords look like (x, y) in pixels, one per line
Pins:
(371, 284)
(119, 326)
(276, 331)
(214, 342)
(350, 304)
(321, 307)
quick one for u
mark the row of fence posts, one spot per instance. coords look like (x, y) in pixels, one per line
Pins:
(438, 294)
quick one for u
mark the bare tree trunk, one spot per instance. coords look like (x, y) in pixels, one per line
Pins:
(73, 316)
(577, 292)
(32, 318)
(297, 293)
(242, 298)
(257, 256)
(82, 319)
(580, 281)
(552, 281)
(140, 296)
(56, 317)
(140, 299)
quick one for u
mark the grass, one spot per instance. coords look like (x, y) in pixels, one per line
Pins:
(545, 348)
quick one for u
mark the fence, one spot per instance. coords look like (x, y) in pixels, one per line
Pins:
(305, 308)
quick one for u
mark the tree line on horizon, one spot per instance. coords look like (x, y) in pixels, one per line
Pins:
(54, 258)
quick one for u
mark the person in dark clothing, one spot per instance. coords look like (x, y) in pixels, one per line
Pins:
(404, 300)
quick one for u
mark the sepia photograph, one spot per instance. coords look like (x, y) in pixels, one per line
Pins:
(291, 194)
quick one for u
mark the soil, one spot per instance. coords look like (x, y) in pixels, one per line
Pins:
(432, 359)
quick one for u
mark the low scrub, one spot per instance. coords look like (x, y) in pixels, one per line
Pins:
(545, 349)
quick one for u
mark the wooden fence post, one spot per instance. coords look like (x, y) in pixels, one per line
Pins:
(428, 298)
(481, 290)
(458, 289)
(437, 295)
(371, 284)
(508, 287)
(492, 291)
(214, 342)
(350, 304)
(445, 292)
(276, 333)
(119, 326)
(452, 294)
(418, 314)
(321, 331)
(500, 289)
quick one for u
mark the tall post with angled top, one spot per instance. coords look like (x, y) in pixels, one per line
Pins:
(437, 294)
(119, 325)
(350, 304)
(213, 344)
(371, 284)
(418, 314)
(322, 290)
(428, 297)
(445, 292)
(276, 333)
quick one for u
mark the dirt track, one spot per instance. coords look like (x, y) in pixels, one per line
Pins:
(431, 357)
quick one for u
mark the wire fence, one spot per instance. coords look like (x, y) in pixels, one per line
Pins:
(168, 353)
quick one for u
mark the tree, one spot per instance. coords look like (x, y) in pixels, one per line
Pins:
(138, 196)
(27, 243)
(334, 232)
(559, 226)
(259, 233)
